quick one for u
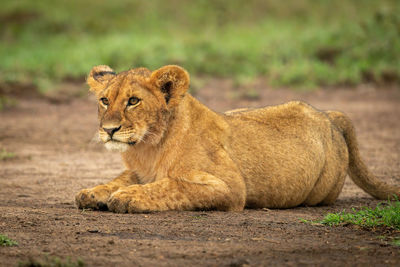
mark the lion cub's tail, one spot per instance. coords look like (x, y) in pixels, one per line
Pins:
(358, 171)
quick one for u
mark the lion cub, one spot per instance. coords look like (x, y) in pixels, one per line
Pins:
(180, 155)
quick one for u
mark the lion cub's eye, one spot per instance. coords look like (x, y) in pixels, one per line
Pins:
(133, 101)
(104, 101)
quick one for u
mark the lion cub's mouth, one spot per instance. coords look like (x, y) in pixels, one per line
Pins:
(131, 143)
(115, 145)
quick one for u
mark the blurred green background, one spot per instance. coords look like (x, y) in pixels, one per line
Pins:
(292, 43)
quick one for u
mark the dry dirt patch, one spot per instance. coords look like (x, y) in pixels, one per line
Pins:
(55, 158)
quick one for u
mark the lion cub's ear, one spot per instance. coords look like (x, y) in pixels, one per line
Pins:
(173, 81)
(98, 77)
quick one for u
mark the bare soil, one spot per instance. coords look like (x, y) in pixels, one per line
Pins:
(55, 158)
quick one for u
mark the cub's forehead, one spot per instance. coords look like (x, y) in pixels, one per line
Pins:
(128, 82)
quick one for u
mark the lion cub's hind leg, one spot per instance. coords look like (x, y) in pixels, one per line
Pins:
(333, 175)
(335, 191)
(97, 197)
(327, 188)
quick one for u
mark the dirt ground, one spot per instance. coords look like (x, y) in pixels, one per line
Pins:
(56, 157)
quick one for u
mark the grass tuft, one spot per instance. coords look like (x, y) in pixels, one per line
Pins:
(7, 242)
(6, 102)
(384, 215)
(5, 155)
(396, 242)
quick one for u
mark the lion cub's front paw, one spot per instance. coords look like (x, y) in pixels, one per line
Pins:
(133, 200)
(119, 201)
(94, 198)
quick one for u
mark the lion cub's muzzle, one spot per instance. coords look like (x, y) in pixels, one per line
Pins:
(115, 138)
(111, 131)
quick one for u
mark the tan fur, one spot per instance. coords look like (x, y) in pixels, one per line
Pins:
(180, 155)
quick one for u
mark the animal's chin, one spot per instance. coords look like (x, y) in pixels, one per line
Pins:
(113, 145)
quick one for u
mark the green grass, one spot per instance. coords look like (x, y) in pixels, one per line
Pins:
(396, 242)
(7, 102)
(384, 215)
(52, 262)
(6, 155)
(300, 43)
(6, 242)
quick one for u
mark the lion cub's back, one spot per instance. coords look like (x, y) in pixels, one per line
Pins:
(294, 118)
(292, 110)
(279, 151)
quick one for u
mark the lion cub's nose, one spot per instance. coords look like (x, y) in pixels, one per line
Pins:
(111, 131)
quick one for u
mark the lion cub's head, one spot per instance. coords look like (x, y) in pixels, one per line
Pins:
(135, 105)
